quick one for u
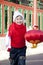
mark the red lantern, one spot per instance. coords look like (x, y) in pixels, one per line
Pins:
(34, 36)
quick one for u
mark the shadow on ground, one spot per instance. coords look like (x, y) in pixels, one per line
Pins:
(4, 62)
(34, 59)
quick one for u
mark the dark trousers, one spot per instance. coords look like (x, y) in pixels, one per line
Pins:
(18, 56)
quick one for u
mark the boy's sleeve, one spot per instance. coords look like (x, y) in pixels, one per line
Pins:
(7, 42)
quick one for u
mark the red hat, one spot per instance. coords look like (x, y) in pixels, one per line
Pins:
(35, 26)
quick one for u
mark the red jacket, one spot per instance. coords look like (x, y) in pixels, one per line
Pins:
(17, 32)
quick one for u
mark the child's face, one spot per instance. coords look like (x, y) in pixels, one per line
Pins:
(19, 20)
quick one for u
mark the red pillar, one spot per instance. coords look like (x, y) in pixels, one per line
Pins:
(35, 12)
(2, 19)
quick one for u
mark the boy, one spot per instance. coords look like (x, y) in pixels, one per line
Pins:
(16, 34)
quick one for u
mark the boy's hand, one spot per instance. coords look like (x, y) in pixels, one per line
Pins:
(8, 49)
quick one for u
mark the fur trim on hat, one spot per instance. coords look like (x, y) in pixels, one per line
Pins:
(17, 13)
